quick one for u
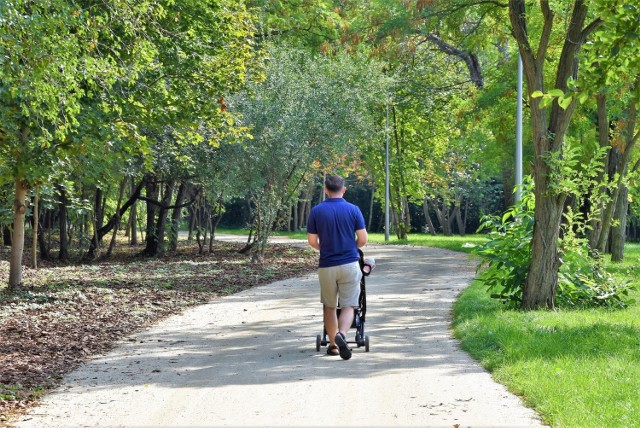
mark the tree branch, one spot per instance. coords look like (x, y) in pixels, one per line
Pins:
(547, 13)
(517, 16)
(591, 28)
(164, 206)
(469, 58)
(114, 219)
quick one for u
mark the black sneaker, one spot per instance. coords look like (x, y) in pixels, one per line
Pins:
(341, 341)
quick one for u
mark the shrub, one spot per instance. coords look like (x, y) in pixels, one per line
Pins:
(506, 256)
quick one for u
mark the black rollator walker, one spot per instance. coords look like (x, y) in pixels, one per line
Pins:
(361, 339)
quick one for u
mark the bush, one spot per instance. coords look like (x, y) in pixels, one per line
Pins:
(506, 256)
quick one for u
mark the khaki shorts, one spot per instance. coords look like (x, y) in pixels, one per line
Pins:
(340, 283)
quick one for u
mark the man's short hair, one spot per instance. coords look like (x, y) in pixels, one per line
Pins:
(334, 183)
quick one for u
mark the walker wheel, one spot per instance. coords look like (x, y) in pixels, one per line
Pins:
(366, 344)
(318, 341)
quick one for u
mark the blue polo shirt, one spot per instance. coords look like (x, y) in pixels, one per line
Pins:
(335, 221)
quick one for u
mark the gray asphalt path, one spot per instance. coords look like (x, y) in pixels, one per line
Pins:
(250, 360)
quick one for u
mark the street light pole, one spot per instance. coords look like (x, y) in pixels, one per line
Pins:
(386, 179)
(519, 134)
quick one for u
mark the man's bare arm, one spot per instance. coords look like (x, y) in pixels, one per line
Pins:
(313, 240)
(361, 237)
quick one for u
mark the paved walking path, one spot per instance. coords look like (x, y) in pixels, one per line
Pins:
(250, 360)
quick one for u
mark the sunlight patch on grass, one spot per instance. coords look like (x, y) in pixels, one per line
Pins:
(455, 243)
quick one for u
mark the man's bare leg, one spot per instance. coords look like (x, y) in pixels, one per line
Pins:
(330, 324)
(345, 321)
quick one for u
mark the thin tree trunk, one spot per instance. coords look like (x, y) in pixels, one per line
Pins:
(218, 213)
(133, 218)
(466, 213)
(152, 192)
(453, 214)
(17, 239)
(425, 207)
(458, 214)
(603, 138)
(621, 167)
(444, 224)
(62, 220)
(116, 227)
(618, 233)
(161, 226)
(95, 240)
(36, 219)
(176, 215)
(192, 222)
(370, 219)
(42, 237)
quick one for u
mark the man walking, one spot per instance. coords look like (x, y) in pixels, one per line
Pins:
(336, 228)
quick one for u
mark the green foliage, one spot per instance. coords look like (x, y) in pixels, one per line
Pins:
(506, 257)
(307, 116)
(612, 59)
(507, 254)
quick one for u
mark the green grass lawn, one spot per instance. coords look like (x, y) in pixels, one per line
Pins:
(456, 243)
(576, 368)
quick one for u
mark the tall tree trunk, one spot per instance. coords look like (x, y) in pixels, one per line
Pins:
(548, 138)
(618, 233)
(622, 157)
(42, 241)
(133, 218)
(296, 211)
(407, 212)
(459, 221)
(95, 240)
(62, 223)
(466, 214)
(17, 239)
(152, 192)
(192, 222)
(404, 220)
(453, 213)
(36, 220)
(161, 225)
(176, 215)
(603, 137)
(218, 214)
(116, 227)
(425, 207)
(305, 207)
(102, 231)
(440, 216)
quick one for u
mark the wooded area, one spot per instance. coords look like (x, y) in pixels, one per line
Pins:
(158, 116)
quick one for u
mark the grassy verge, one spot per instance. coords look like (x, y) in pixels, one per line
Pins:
(455, 243)
(574, 367)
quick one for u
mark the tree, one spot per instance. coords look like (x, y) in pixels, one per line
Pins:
(611, 77)
(42, 85)
(310, 109)
(549, 127)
